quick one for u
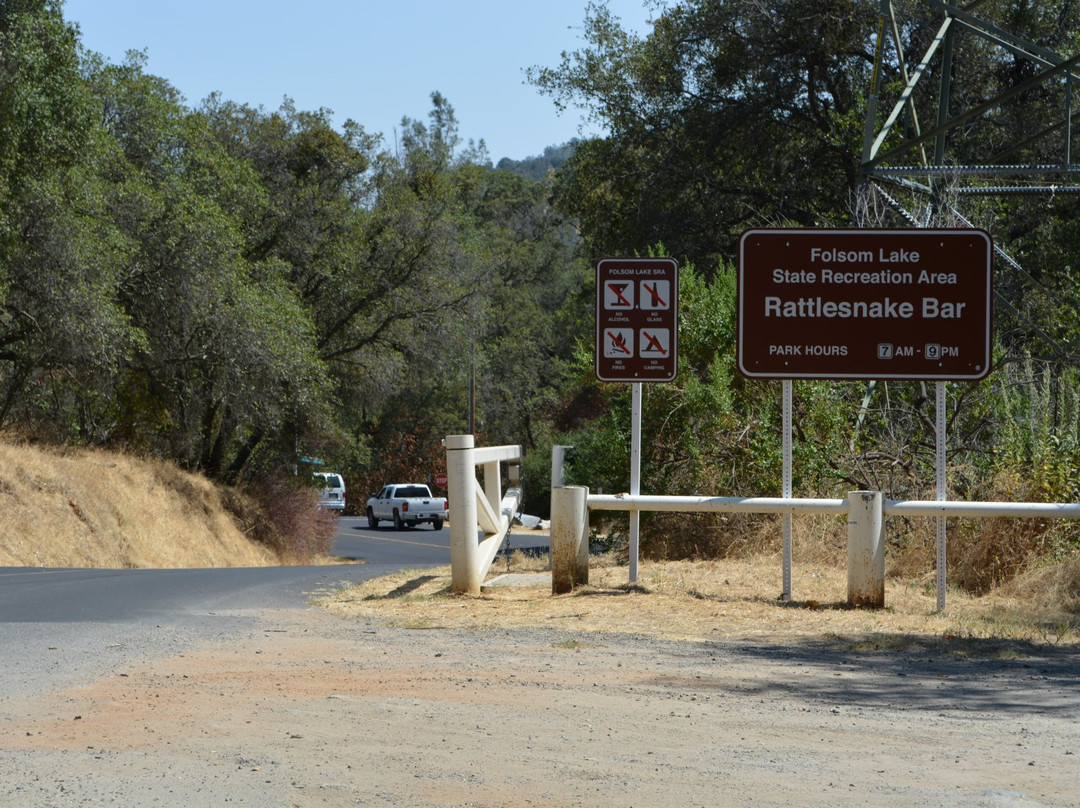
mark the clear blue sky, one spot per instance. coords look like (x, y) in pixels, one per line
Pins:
(374, 61)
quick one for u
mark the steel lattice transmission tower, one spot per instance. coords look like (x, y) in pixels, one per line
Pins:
(915, 117)
(922, 150)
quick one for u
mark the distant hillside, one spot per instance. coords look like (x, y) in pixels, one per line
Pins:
(537, 168)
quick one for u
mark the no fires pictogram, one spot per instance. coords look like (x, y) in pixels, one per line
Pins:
(619, 343)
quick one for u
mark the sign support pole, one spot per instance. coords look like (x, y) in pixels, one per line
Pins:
(940, 464)
(635, 478)
(787, 486)
(637, 340)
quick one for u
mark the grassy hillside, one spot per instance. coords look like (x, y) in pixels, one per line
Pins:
(77, 508)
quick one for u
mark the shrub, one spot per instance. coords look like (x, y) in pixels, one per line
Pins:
(288, 519)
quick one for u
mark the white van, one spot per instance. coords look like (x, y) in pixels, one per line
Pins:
(331, 488)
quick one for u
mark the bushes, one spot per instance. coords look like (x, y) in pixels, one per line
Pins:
(713, 432)
(287, 518)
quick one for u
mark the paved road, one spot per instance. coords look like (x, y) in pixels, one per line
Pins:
(418, 547)
(60, 625)
(43, 595)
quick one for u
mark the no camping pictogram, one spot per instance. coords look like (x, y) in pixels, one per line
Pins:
(655, 342)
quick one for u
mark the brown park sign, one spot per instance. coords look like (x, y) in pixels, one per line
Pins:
(865, 304)
(637, 319)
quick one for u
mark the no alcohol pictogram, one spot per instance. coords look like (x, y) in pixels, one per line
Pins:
(619, 295)
(637, 319)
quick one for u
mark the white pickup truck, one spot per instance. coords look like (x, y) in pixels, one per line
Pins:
(406, 504)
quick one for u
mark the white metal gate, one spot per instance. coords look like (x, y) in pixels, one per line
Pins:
(480, 514)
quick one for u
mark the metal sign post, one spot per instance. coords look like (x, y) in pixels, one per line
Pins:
(637, 340)
(787, 486)
(635, 479)
(939, 473)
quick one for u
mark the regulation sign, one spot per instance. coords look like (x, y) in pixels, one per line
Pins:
(865, 304)
(637, 319)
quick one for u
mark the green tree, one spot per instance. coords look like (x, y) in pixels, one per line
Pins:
(528, 318)
(730, 113)
(62, 334)
(228, 355)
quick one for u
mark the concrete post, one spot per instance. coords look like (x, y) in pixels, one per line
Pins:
(866, 549)
(569, 531)
(461, 494)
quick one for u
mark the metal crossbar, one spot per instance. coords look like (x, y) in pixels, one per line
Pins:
(837, 507)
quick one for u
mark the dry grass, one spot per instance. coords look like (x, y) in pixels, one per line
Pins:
(73, 508)
(96, 509)
(710, 600)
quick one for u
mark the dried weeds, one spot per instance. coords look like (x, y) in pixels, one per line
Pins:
(709, 601)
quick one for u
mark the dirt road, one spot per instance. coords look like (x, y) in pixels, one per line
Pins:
(307, 708)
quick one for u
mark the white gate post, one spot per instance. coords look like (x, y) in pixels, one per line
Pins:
(461, 493)
(558, 465)
(569, 531)
(866, 549)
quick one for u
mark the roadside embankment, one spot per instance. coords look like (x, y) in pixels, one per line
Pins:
(82, 508)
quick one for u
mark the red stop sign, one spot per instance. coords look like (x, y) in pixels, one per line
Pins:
(440, 479)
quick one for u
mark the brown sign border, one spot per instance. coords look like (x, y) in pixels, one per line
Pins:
(806, 336)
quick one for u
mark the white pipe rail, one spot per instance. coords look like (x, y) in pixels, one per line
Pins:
(838, 507)
(480, 514)
(1023, 510)
(865, 511)
(644, 502)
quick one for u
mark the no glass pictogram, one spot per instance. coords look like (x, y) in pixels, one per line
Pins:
(656, 295)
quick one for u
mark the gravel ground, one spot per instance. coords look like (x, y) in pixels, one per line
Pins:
(302, 707)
